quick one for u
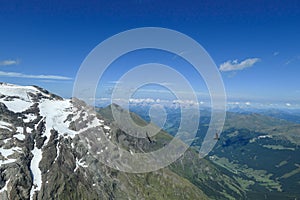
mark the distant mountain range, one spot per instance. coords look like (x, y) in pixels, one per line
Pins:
(259, 150)
(291, 115)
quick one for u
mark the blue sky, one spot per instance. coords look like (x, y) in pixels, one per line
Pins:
(256, 42)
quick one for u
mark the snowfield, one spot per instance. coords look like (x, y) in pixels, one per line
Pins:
(55, 113)
(6, 153)
(36, 172)
(5, 125)
(17, 105)
(23, 100)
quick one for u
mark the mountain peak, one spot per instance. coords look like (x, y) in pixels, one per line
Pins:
(34, 124)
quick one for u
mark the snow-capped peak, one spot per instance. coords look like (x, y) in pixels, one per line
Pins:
(32, 120)
(20, 98)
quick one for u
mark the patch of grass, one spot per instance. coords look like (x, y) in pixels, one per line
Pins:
(292, 173)
(282, 163)
(159, 185)
(260, 177)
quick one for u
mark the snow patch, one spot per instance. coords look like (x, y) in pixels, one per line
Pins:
(19, 129)
(19, 136)
(77, 116)
(5, 187)
(22, 91)
(88, 143)
(57, 151)
(5, 125)
(8, 152)
(85, 116)
(28, 130)
(17, 105)
(80, 163)
(29, 118)
(131, 152)
(36, 172)
(6, 140)
(264, 136)
(8, 161)
(20, 104)
(92, 124)
(55, 113)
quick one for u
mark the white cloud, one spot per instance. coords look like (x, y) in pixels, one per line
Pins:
(20, 75)
(114, 82)
(235, 65)
(147, 100)
(8, 62)
(276, 53)
(185, 102)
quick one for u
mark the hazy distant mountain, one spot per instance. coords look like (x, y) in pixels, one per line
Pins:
(259, 151)
(291, 115)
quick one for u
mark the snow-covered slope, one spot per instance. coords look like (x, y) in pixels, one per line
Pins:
(31, 120)
(18, 98)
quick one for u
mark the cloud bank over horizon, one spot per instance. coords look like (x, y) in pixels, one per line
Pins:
(42, 76)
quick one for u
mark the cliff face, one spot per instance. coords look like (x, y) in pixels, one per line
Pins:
(47, 152)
